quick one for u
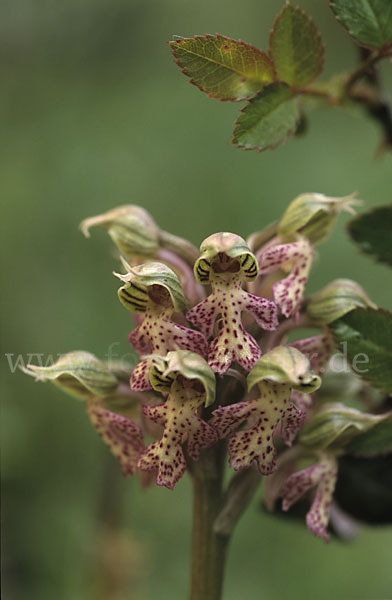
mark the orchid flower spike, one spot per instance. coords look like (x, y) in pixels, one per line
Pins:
(275, 374)
(154, 290)
(225, 263)
(323, 475)
(190, 383)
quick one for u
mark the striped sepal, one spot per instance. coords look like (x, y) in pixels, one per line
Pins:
(249, 266)
(202, 269)
(133, 297)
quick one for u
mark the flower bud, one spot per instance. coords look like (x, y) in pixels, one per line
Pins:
(137, 236)
(314, 215)
(335, 425)
(79, 374)
(337, 299)
(131, 228)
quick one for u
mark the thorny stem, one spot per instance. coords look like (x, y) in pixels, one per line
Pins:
(373, 99)
(363, 68)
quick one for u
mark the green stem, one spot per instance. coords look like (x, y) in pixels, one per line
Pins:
(209, 549)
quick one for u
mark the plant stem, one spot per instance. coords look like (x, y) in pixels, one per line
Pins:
(208, 548)
(364, 67)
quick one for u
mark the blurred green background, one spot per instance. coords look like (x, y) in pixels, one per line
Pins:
(95, 114)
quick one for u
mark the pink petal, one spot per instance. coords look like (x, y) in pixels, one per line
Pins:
(323, 475)
(123, 436)
(181, 422)
(264, 311)
(292, 421)
(203, 316)
(140, 381)
(288, 292)
(317, 349)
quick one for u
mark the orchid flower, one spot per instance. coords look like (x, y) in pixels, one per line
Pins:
(190, 383)
(321, 475)
(226, 263)
(275, 374)
(306, 222)
(154, 290)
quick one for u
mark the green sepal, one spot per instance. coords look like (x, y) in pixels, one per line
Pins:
(285, 365)
(134, 294)
(79, 374)
(131, 228)
(337, 299)
(231, 245)
(314, 215)
(376, 441)
(335, 426)
(190, 365)
(126, 403)
(120, 369)
(137, 236)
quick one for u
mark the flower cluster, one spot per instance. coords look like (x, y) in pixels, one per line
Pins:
(226, 321)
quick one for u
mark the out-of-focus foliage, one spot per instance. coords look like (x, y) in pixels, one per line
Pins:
(372, 231)
(95, 114)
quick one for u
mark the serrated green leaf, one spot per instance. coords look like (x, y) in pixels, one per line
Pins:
(296, 48)
(373, 232)
(369, 22)
(268, 119)
(377, 440)
(223, 68)
(366, 336)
